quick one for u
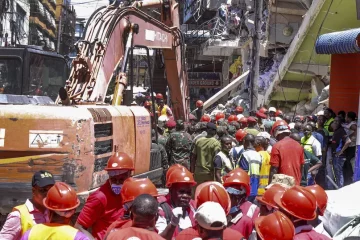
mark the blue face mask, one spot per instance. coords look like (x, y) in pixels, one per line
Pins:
(234, 209)
(116, 188)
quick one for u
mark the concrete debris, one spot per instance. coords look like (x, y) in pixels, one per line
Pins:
(266, 78)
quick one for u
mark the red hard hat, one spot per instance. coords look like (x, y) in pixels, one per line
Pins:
(119, 161)
(263, 110)
(147, 104)
(61, 197)
(239, 109)
(277, 124)
(232, 118)
(321, 197)
(240, 134)
(278, 113)
(260, 115)
(170, 124)
(243, 120)
(213, 192)
(268, 197)
(173, 168)
(134, 187)
(205, 118)
(180, 176)
(251, 120)
(199, 103)
(275, 226)
(159, 96)
(298, 202)
(237, 177)
(219, 116)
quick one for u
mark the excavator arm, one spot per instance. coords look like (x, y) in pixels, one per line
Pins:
(102, 53)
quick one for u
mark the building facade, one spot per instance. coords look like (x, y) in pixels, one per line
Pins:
(42, 23)
(14, 22)
(65, 22)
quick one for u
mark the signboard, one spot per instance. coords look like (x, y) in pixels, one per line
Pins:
(205, 79)
(45, 139)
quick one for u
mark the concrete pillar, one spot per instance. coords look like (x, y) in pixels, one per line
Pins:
(225, 75)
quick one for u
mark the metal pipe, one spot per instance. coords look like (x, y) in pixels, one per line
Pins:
(225, 90)
(332, 182)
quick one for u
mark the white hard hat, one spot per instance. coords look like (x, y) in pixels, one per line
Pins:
(163, 118)
(209, 213)
(320, 113)
(272, 109)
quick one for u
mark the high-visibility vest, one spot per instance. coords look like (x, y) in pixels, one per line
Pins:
(52, 231)
(227, 164)
(26, 219)
(327, 125)
(162, 112)
(264, 172)
(307, 144)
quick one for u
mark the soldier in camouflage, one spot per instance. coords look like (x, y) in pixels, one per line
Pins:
(178, 146)
(161, 138)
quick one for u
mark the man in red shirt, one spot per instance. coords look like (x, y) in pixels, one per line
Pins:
(237, 184)
(132, 188)
(144, 213)
(299, 205)
(210, 192)
(176, 209)
(287, 155)
(104, 206)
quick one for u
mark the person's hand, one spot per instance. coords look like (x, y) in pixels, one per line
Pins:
(177, 214)
(338, 153)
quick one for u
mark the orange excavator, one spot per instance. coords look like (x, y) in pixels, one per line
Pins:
(74, 138)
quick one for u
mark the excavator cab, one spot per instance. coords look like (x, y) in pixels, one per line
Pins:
(29, 70)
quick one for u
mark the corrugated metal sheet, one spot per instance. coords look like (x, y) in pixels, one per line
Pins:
(338, 42)
(345, 82)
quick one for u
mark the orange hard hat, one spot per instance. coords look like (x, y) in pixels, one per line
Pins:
(120, 161)
(240, 135)
(134, 187)
(180, 176)
(199, 103)
(277, 124)
(239, 109)
(237, 177)
(298, 202)
(213, 192)
(205, 118)
(232, 118)
(321, 197)
(159, 96)
(275, 226)
(61, 197)
(268, 197)
(278, 113)
(243, 120)
(173, 168)
(263, 110)
(219, 116)
(147, 104)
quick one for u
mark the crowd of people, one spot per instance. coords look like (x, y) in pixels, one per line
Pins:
(229, 176)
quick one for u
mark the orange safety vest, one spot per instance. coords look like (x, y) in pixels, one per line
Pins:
(52, 231)
(26, 220)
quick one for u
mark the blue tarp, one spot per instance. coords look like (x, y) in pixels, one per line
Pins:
(338, 42)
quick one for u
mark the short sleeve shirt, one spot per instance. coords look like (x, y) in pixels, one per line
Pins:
(288, 156)
(101, 209)
(205, 150)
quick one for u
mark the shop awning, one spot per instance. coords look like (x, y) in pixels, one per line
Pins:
(339, 42)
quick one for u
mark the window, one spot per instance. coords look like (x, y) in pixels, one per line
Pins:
(10, 76)
(47, 75)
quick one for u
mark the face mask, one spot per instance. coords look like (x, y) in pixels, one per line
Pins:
(116, 188)
(66, 214)
(234, 209)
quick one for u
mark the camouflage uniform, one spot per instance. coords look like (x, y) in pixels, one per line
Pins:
(178, 147)
(162, 140)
